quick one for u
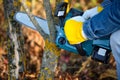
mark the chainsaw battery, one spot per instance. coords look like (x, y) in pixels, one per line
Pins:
(101, 54)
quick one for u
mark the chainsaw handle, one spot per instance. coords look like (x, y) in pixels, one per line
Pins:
(80, 49)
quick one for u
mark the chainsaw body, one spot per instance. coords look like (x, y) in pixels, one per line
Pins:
(99, 48)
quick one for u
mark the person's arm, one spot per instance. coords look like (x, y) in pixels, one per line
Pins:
(101, 25)
(104, 23)
(95, 10)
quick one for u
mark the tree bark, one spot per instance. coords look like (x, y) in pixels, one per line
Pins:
(52, 52)
(49, 60)
(15, 39)
(50, 20)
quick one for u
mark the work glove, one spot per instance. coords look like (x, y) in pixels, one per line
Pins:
(74, 30)
(74, 27)
(92, 12)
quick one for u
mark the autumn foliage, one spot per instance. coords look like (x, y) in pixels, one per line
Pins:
(70, 66)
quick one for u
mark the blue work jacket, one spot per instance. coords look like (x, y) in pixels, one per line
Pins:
(104, 23)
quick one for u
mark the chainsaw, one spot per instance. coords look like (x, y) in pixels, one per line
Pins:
(99, 49)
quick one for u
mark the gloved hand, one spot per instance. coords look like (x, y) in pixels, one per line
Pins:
(74, 30)
(92, 12)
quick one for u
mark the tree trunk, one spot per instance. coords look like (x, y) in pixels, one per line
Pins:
(15, 39)
(49, 60)
(51, 54)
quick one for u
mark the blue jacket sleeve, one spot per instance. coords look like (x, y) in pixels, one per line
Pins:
(104, 23)
(105, 3)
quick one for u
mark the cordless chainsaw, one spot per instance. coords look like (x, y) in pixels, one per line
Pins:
(99, 49)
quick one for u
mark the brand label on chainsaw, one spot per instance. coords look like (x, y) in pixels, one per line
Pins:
(61, 13)
(101, 52)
